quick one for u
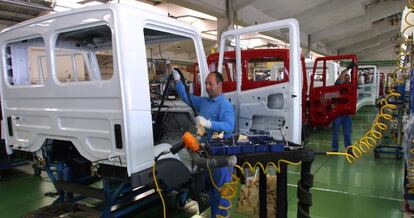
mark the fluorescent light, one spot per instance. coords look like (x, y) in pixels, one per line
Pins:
(93, 3)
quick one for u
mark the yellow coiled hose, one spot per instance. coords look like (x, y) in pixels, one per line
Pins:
(374, 134)
(228, 190)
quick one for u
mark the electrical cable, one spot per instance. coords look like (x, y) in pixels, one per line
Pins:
(157, 188)
(183, 80)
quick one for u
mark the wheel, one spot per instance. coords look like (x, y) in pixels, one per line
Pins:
(376, 155)
(181, 200)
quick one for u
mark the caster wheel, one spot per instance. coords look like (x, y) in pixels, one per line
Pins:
(37, 171)
(181, 200)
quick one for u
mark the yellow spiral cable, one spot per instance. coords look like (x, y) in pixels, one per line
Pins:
(227, 190)
(410, 4)
(374, 134)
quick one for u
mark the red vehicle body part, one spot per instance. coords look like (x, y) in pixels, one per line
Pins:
(330, 101)
(248, 56)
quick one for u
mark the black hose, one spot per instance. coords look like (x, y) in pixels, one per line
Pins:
(158, 120)
(182, 78)
(213, 162)
(164, 94)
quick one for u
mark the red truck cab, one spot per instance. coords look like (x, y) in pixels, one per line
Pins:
(267, 67)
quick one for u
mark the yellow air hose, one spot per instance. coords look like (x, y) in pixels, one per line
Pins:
(227, 190)
(374, 134)
(358, 148)
(158, 190)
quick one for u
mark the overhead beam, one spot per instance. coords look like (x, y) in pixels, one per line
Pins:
(360, 46)
(382, 53)
(7, 22)
(329, 14)
(379, 63)
(15, 16)
(376, 12)
(239, 4)
(246, 16)
(375, 49)
(2, 26)
(250, 16)
(87, 1)
(215, 8)
(378, 29)
(26, 4)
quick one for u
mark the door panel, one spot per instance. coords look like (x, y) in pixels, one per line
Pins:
(329, 101)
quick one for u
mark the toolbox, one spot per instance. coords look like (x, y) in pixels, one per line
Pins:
(254, 144)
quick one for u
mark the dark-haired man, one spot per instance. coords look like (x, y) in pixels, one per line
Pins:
(216, 114)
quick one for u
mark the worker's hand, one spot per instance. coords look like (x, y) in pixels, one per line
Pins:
(175, 73)
(351, 65)
(203, 122)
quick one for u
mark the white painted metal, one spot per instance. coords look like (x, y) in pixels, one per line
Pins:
(333, 70)
(291, 91)
(368, 93)
(85, 112)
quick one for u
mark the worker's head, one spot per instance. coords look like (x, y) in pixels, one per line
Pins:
(347, 78)
(214, 82)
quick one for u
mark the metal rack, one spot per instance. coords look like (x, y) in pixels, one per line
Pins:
(396, 149)
(304, 185)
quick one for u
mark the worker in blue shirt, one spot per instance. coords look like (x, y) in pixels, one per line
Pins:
(216, 114)
(345, 120)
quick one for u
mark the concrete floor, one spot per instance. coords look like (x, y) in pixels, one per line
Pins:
(368, 188)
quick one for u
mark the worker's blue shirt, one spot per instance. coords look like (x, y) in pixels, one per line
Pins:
(338, 82)
(218, 110)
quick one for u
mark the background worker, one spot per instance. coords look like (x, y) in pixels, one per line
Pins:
(345, 120)
(216, 114)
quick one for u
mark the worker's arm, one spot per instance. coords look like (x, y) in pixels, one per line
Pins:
(195, 100)
(227, 120)
(341, 77)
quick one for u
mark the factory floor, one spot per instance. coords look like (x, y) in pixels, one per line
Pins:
(368, 188)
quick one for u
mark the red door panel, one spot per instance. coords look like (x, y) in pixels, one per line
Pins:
(330, 101)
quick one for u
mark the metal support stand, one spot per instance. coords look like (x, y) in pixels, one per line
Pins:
(117, 196)
(304, 185)
(397, 149)
(9, 161)
(262, 193)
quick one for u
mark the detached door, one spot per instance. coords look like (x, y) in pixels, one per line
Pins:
(327, 99)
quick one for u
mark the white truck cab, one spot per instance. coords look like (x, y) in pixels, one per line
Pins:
(333, 69)
(83, 77)
(368, 85)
